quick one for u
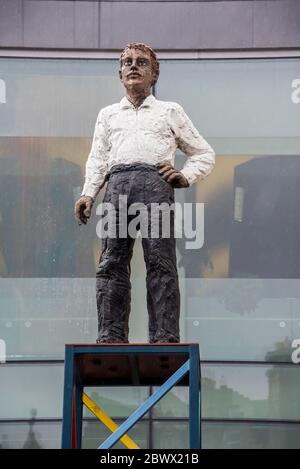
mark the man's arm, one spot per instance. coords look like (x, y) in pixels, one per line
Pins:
(96, 165)
(95, 171)
(200, 155)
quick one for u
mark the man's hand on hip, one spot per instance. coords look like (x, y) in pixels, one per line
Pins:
(172, 175)
(83, 208)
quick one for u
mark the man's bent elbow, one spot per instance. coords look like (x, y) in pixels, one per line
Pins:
(211, 160)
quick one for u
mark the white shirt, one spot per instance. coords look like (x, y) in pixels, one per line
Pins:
(148, 134)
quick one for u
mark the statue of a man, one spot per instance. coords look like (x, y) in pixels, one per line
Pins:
(133, 149)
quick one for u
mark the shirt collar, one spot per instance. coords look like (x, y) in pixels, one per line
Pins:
(148, 102)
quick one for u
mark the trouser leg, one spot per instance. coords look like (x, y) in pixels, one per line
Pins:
(113, 290)
(113, 286)
(163, 295)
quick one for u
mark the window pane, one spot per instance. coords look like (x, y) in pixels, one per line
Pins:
(48, 117)
(215, 435)
(39, 316)
(55, 98)
(31, 391)
(239, 292)
(47, 435)
(174, 404)
(48, 263)
(30, 435)
(94, 433)
(242, 286)
(250, 436)
(170, 436)
(117, 401)
(48, 113)
(239, 392)
(244, 106)
(243, 319)
(251, 392)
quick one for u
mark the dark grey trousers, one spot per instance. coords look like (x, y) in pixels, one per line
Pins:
(141, 183)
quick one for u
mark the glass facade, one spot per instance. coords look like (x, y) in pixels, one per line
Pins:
(239, 291)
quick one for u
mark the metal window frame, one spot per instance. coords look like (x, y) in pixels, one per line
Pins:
(241, 54)
(162, 54)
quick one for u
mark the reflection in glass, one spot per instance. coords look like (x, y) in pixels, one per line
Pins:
(36, 389)
(240, 392)
(168, 435)
(94, 433)
(174, 404)
(30, 435)
(250, 436)
(251, 210)
(235, 102)
(251, 392)
(240, 291)
(117, 401)
(243, 319)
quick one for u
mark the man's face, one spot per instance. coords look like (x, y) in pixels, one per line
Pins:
(136, 70)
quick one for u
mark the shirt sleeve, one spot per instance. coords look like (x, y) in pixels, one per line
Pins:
(200, 155)
(97, 162)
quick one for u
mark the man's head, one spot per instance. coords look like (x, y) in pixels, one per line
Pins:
(139, 66)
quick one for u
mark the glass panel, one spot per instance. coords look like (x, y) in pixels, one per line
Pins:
(242, 286)
(215, 435)
(236, 103)
(170, 436)
(47, 263)
(48, 113)
(48, 119)
(94, 433)
(228, 391)
(250, 436)
(30, 435)
(117, 401)
(174, 404)
(31, 391)
(37, 391)
(251, 392)
(240, 392)
(228, 435)
(55, 97)
(250, 224)
(239, 319)
(239, 292)
(39, 316)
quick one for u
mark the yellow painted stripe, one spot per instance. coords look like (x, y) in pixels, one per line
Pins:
(108, 422)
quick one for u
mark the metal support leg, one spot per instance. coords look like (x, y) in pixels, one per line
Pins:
(194, 400)
(68, 399)
(78, 417)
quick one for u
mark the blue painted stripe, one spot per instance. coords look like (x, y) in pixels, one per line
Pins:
(125, 350)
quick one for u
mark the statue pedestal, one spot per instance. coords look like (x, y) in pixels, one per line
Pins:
(163, 365)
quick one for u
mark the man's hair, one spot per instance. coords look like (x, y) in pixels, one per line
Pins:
(143, 48)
